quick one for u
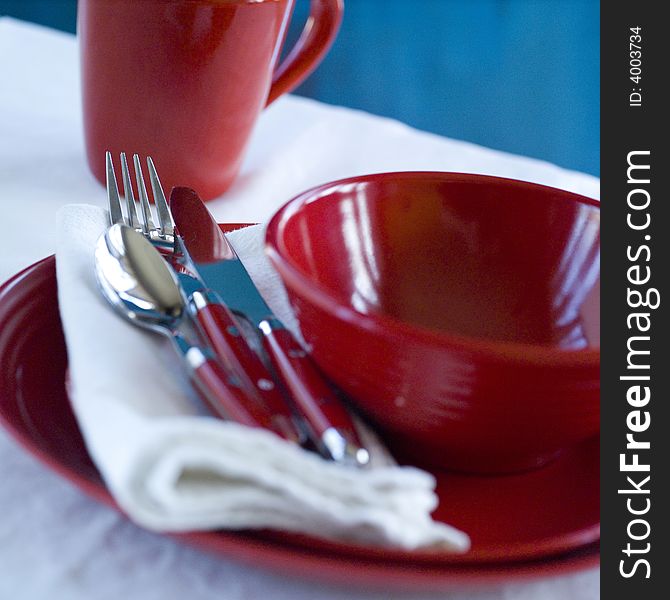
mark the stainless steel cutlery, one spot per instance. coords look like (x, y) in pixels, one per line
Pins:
(167, 294)
(264, 400)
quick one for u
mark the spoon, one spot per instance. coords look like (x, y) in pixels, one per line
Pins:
(142, 288)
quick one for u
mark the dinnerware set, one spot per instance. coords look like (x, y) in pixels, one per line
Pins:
(340, 279)
(457, 315)
(147, 274)
(539, 523)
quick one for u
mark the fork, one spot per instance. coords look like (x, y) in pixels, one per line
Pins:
(250, 378)
(162, 236)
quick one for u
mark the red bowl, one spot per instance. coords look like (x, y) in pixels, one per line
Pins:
(459, 312)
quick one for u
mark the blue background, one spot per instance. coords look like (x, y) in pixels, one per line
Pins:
(517, 75)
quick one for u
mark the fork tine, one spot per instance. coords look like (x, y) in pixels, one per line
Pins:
(145, 210)
(164, 214)
(115, 212)
(128, 193)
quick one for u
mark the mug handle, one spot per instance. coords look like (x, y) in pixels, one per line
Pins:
(315, 40)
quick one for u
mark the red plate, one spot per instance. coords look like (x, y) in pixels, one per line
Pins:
(537, 524)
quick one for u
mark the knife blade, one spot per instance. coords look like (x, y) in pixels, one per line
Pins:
(216, 262)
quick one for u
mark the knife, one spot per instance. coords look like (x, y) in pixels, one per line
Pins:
(217, 264)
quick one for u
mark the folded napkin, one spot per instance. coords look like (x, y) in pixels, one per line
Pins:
(172, 467)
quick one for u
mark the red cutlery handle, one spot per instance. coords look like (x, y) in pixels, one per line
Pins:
(228, 400)
(225, 337)
(322, 410)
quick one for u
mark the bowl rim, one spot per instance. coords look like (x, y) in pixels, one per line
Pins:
(382, 324)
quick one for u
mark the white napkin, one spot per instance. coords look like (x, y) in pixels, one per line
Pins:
(172, 467)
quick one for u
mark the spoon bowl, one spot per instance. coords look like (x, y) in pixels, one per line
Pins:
(136, 280)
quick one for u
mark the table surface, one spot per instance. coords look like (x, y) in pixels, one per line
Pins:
(56, 543)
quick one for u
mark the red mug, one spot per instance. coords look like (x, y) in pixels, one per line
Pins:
(184, 81)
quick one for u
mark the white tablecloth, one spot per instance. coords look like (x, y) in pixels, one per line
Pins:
(54, 542)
